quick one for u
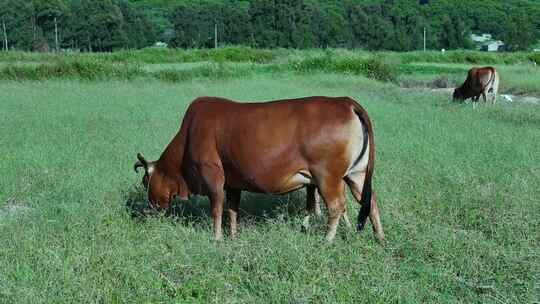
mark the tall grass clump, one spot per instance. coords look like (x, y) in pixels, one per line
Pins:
(226, 54)
(416, 69)
(153, 55)
(241, 54)
(472, 57)
(78, 69)
(213, 71)
(95, 70)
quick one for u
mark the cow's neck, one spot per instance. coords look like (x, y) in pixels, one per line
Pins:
(170, 164)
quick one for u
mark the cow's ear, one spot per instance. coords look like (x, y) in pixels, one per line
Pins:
(140, 163)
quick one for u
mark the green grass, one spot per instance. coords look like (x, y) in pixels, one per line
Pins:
(458, 192)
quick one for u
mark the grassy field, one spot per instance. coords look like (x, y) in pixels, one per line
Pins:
(458, 192)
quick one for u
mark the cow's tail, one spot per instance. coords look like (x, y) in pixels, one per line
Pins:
(367, 189)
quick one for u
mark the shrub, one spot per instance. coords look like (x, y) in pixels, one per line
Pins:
(378, 70)
(240, 54)
(472, 57)
(172, 75)
(441, 83)
(371, 67)
(211, 70)
(535, 57)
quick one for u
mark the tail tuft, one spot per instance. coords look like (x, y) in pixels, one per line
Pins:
(366, 206)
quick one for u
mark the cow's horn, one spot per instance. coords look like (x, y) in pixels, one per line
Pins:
(140, 163)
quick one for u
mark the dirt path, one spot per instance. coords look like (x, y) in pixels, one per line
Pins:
(500, 97)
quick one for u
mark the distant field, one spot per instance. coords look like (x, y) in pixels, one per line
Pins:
(519, 71)
(246, 54)
(458, 192)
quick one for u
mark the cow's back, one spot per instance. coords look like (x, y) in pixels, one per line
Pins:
(479, 78)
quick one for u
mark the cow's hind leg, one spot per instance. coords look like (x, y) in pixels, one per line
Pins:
(332, 192)
(493, 94)
(495, 88)
(317, 202)
(216, 199)
(233, 204)
(356, 182)
(313, 206)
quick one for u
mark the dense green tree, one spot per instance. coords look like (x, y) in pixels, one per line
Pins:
(519, 32)
(235, 28)
(10, 19)
(106, 25)
(98, 25)
(194, 23)
(139, 31)
(263, 21)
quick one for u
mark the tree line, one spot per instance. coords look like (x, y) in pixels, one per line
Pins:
(396, 25)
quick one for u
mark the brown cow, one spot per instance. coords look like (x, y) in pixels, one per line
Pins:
(224, 147)
(479, 82)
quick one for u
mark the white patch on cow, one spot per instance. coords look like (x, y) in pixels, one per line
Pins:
(356, 143)
(361, 166)
(150, 169)
(495, 86)
(301, 178)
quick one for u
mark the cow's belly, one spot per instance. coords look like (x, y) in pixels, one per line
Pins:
(271, 182)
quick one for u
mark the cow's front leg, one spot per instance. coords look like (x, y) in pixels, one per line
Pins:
(214, 179)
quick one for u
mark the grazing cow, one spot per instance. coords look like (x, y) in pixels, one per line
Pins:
(224, 147)
(479, 82)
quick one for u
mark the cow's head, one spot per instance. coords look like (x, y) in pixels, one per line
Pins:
(161, 186)
(458, 94)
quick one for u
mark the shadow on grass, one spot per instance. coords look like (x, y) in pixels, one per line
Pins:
(254, 207)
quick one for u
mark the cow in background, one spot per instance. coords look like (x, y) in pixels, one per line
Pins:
(479, 82)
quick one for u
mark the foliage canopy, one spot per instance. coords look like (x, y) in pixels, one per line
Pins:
(397, 25)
